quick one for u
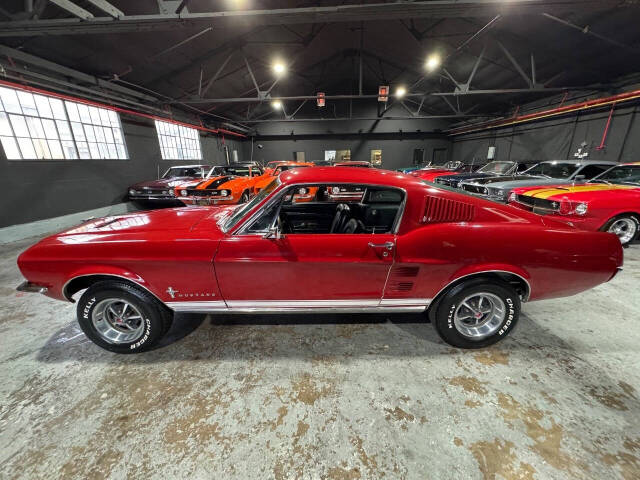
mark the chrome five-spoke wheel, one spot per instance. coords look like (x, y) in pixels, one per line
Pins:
(625, 228)
(117, 321)
(479, 315)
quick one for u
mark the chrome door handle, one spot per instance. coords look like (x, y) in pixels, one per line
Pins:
(387, 245)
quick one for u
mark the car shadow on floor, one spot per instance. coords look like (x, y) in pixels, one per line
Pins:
(237, 336)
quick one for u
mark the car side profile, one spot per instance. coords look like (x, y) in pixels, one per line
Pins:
(394, 243)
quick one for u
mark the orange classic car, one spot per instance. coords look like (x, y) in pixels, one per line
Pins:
(273, 169)
(235, 184)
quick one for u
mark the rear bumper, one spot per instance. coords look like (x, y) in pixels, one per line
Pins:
(31, 287)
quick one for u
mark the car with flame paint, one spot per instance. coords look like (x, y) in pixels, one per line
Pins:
(233, 185)
(163, 188)
(609, 202)
(402, 246)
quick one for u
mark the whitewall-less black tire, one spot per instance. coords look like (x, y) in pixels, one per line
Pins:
(122, 318)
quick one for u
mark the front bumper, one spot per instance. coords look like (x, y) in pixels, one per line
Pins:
(207, 200)
(151, 197)
(29, 287)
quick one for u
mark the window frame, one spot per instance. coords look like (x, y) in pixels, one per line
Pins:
(54, 114)
(164, 137)
(244, 224)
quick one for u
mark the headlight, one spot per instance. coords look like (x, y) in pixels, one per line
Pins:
(335, 190)
(513, 197)
(581, 209)
(224, 193)
(132, 192)
(172, 193)
(183, 193)
(302, 191)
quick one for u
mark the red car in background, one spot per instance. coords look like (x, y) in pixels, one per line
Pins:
(610, 202)
(273, 170)
(400, 245)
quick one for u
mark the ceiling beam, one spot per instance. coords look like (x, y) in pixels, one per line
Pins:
(107, 8)
(69, 72)
(497, 91)
(289, 16)
(73, 9)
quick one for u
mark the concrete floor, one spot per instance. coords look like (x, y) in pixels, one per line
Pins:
(324, 397)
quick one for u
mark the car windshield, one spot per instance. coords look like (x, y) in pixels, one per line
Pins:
(624, 174)
(553, 169)
(496, 167)
(183, 172)
(238, 170)
(240, 211)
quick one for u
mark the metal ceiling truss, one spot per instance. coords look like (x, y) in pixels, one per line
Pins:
(83, 22)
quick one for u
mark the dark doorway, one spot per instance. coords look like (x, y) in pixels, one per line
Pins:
(439, 156)
(418, 156)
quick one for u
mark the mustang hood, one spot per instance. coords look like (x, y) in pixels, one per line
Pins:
(170, 219)
(581, 192)
(526, 181)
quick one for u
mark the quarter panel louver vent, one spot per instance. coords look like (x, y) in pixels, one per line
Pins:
(400, 279)
(439, 210)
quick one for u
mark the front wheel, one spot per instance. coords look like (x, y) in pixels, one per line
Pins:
(477, 313)
(245, 197)
(624, 226)
(122, 318)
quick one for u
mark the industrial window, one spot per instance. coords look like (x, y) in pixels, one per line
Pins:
(178, 142)
(40, 127)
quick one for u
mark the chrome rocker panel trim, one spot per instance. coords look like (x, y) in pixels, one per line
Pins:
(402, 305)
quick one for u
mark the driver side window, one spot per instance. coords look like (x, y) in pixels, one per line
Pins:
(331, 209)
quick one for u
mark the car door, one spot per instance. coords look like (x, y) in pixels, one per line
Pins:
(304, 270)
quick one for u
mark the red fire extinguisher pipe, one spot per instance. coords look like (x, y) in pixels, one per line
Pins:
(606, 129)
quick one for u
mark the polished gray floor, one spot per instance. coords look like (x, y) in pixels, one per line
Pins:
(324, 397)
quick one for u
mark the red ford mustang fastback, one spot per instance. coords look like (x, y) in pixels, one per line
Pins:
(400, 246)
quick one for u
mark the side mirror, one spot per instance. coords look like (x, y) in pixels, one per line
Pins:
(579, 178)
(273, 233)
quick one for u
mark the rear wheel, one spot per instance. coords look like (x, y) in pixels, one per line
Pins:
(477, 313)
(624, 226)
(122, 318)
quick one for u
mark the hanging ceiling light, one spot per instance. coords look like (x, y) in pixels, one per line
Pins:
(433, 62)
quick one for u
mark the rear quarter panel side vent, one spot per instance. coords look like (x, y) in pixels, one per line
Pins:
(441, 210)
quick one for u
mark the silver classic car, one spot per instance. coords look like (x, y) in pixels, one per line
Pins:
(544, 173)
